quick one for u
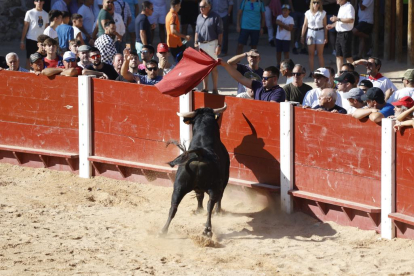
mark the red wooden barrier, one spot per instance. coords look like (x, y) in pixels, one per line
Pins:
(404, 217)
(38, 120)
(133, 123)
(338, 168)
(251, 133)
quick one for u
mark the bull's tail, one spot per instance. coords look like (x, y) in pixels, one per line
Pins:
(185, 156)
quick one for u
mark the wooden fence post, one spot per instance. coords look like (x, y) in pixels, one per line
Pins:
(85, 125)
(186, 105)
(387, 178)
(286, 155)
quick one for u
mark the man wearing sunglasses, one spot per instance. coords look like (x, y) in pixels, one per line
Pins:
(35, 22)
(267, 90)
(150, 78)
(147, 54)
(252, 66)
(209, 38)
(98, 67)
(373, 66)
(297, 89)
(69, 68)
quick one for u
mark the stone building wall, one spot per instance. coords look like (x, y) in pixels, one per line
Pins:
(12, 14)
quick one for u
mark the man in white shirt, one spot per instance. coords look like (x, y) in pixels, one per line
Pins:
(408, 90)
(55, 19)
(321, 80)
(365, 24)
(35, 22)
(373, 66)
(12, 60)
(343, 24)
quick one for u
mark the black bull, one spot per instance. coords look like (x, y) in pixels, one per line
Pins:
(204, 168)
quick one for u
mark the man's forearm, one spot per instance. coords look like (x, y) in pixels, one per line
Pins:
(236, 59)
(125, 72)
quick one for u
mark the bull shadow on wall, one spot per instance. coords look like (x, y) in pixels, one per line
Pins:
(252, 154)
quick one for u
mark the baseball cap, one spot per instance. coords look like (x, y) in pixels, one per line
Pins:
(346, 77)
(323, 72)
(285, 6)
(253, 52)
(162, 48)
(68, 55)
(366, 83)
(409, 75)
(373, 94)
(354, 93)
(35, 57)
(84, 48)
(406, 101)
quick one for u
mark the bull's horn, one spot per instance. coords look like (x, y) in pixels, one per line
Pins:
(187, 114)
(220, 110)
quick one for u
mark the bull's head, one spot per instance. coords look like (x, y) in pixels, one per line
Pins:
(189, 116)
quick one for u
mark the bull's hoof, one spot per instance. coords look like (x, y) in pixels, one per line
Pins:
(207, 232)
(162, 233)
(199, 211)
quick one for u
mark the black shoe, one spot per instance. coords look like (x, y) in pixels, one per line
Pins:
(272, 43)
(295, 51)
(304, 51)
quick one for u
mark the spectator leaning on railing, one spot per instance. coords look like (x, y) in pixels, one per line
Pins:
(404, 113)
(408, 90)
(377, 108)
(327, 101)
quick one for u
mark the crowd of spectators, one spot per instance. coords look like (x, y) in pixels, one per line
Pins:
(112, 39)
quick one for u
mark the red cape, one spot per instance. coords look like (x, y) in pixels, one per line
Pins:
(189, 72)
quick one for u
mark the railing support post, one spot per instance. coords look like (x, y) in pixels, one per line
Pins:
(387, 178)
(186, 105)
(85, 125)
(286, 156)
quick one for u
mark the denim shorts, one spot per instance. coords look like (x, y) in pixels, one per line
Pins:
(244, 36)
(318, 36)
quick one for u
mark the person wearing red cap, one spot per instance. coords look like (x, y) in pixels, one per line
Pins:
(163, 62)
(404, 109)
(172, 25)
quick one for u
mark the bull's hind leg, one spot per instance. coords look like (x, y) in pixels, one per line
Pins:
(214, 197)
(177, 196)
(200, 197)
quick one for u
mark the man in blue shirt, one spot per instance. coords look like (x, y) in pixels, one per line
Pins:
(151, 68)
(65, 33)
(377, 107)
(268, 90)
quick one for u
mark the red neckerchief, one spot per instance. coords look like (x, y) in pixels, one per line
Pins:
(378, 76)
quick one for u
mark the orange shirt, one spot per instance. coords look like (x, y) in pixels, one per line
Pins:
(173, 40)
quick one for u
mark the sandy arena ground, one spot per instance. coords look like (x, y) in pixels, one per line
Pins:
(54, 223)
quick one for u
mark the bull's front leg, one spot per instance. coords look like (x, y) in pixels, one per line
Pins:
(210, 206)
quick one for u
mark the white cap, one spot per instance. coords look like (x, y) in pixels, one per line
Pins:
(68, 54)
(323, 72)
